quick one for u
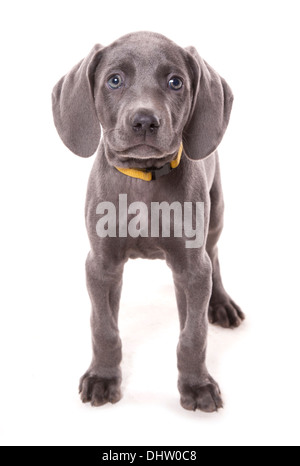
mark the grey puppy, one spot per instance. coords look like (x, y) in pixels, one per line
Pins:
(149, 95)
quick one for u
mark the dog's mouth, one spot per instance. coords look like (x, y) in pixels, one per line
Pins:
(141, 152)
(143, 156)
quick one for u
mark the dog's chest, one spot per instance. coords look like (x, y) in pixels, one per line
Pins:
(149, 219)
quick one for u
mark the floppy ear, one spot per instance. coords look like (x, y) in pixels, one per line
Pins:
(210, 112)
(73, 107)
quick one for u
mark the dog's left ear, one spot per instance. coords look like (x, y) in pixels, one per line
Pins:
(210, 112)
(73, 106)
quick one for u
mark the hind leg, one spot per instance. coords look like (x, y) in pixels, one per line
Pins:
(222, 309)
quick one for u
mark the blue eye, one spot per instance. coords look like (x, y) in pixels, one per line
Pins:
(175, 83)
(115, 82)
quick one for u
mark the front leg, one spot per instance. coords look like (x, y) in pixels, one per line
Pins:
(101, 383)
(193, 290)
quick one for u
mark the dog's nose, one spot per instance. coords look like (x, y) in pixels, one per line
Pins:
(145, 122)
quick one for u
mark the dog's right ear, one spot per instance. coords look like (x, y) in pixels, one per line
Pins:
(73, 106)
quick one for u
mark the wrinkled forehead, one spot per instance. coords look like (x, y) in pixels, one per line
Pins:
(145, 51)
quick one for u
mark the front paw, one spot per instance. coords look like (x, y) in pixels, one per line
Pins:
(205, 397)
(225, 313)
(98, 391)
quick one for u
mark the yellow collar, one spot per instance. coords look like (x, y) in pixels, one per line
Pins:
(154, 174)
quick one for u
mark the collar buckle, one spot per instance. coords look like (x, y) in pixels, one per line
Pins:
(159, 172)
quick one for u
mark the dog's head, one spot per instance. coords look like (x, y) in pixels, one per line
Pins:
(148, 95)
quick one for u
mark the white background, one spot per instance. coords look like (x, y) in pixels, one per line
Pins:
(45, 335)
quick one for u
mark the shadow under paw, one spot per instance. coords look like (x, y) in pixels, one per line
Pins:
(207, 397)
(98, 391)
(226, 314)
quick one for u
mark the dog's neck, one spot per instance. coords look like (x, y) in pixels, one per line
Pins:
(152, 174)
